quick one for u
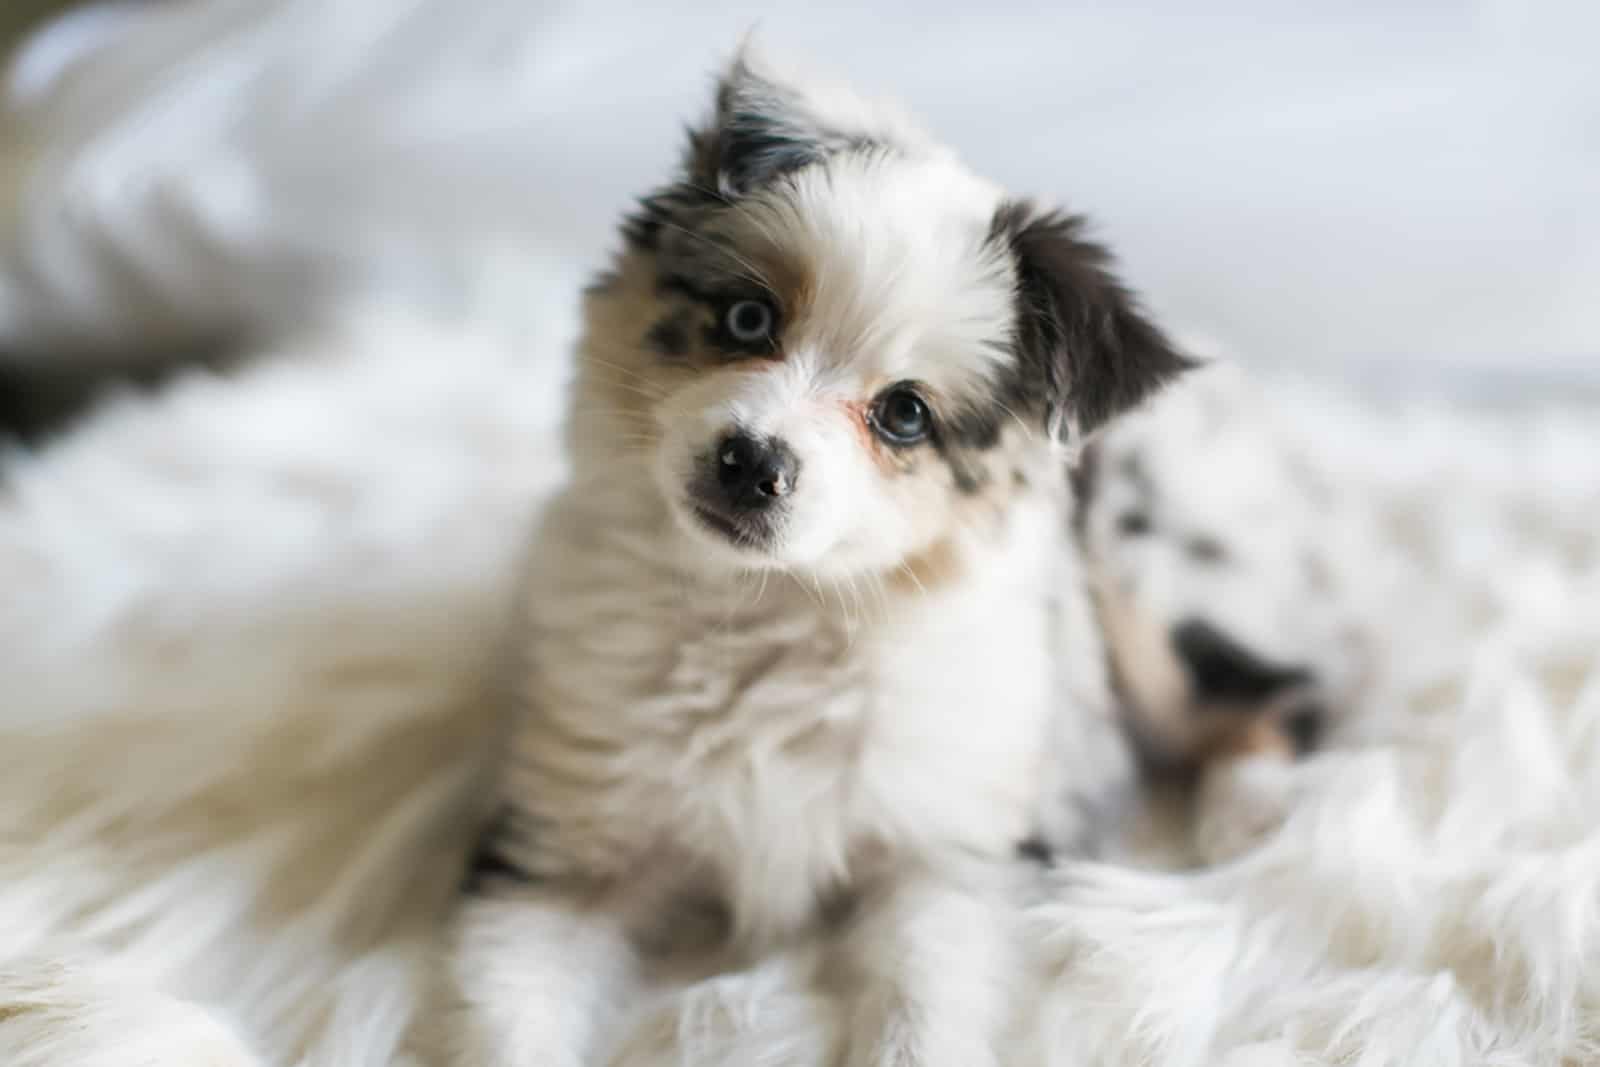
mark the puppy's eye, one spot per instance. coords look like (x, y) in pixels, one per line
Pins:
(750, 321)
(901, 417)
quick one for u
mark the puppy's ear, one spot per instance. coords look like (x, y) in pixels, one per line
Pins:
(762, 129)
(1080, 333)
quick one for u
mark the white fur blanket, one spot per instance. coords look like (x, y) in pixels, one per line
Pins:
(243, 620)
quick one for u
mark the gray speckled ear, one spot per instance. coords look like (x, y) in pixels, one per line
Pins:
(761, 130)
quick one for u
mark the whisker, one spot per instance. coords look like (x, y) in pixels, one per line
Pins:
(638, 391)
(877, 585)
(910, 572)
(751, 272)
(629, 375)
(716, 194)
(1027, 430)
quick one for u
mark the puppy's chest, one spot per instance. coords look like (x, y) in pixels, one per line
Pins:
(773, 753)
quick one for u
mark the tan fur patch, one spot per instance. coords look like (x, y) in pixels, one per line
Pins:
(928, 570)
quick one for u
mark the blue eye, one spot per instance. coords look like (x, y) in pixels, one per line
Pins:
(900, 417)
(750, 321)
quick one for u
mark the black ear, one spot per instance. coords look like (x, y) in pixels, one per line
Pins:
(761, 130)
(1081, 336)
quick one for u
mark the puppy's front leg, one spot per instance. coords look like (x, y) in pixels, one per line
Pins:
(534, 977)
(928, 972)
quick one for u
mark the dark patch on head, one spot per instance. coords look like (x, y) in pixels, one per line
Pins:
(969, 478)
(672, 284)
(761, 132)
(1085, 350)
(957, 437)
(670, 336)
(1019, 479)
(1225, 672)
(972, 429)
(716, 294)
(1203, 548)
(674, 206)
(967, 473)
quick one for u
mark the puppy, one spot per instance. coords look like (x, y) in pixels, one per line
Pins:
(807, 652)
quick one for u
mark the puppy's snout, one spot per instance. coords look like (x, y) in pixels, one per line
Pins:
(754, 472)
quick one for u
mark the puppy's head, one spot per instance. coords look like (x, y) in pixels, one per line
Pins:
(834, 350)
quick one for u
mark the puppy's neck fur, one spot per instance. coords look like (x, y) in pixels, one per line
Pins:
(704, 714)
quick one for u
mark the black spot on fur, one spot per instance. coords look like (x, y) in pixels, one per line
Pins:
(665, 209)
(670, 336)
(1304, 725)
(1036, 850)
(1133, 524)
(959, 437)
(641, 229)
(488, 865)
(488, 868)
(675, 284)
(1203, 548)
(1133, 472)
(972, 429)
(1084, 348)
(1226, 672)
(968, 477)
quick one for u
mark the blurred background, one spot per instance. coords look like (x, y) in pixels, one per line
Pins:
(1404, 193)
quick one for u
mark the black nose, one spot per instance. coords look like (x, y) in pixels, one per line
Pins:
(755, 472)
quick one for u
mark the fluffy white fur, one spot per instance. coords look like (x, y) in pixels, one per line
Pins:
(245, 621)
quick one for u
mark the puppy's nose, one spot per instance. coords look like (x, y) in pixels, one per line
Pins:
(755, 472)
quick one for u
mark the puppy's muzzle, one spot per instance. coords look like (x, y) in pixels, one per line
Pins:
(742, 485)
(754, 473)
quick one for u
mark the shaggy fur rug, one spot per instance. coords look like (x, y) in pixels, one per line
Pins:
(245, 620)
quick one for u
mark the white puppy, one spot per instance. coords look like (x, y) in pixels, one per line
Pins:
(808, 654)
